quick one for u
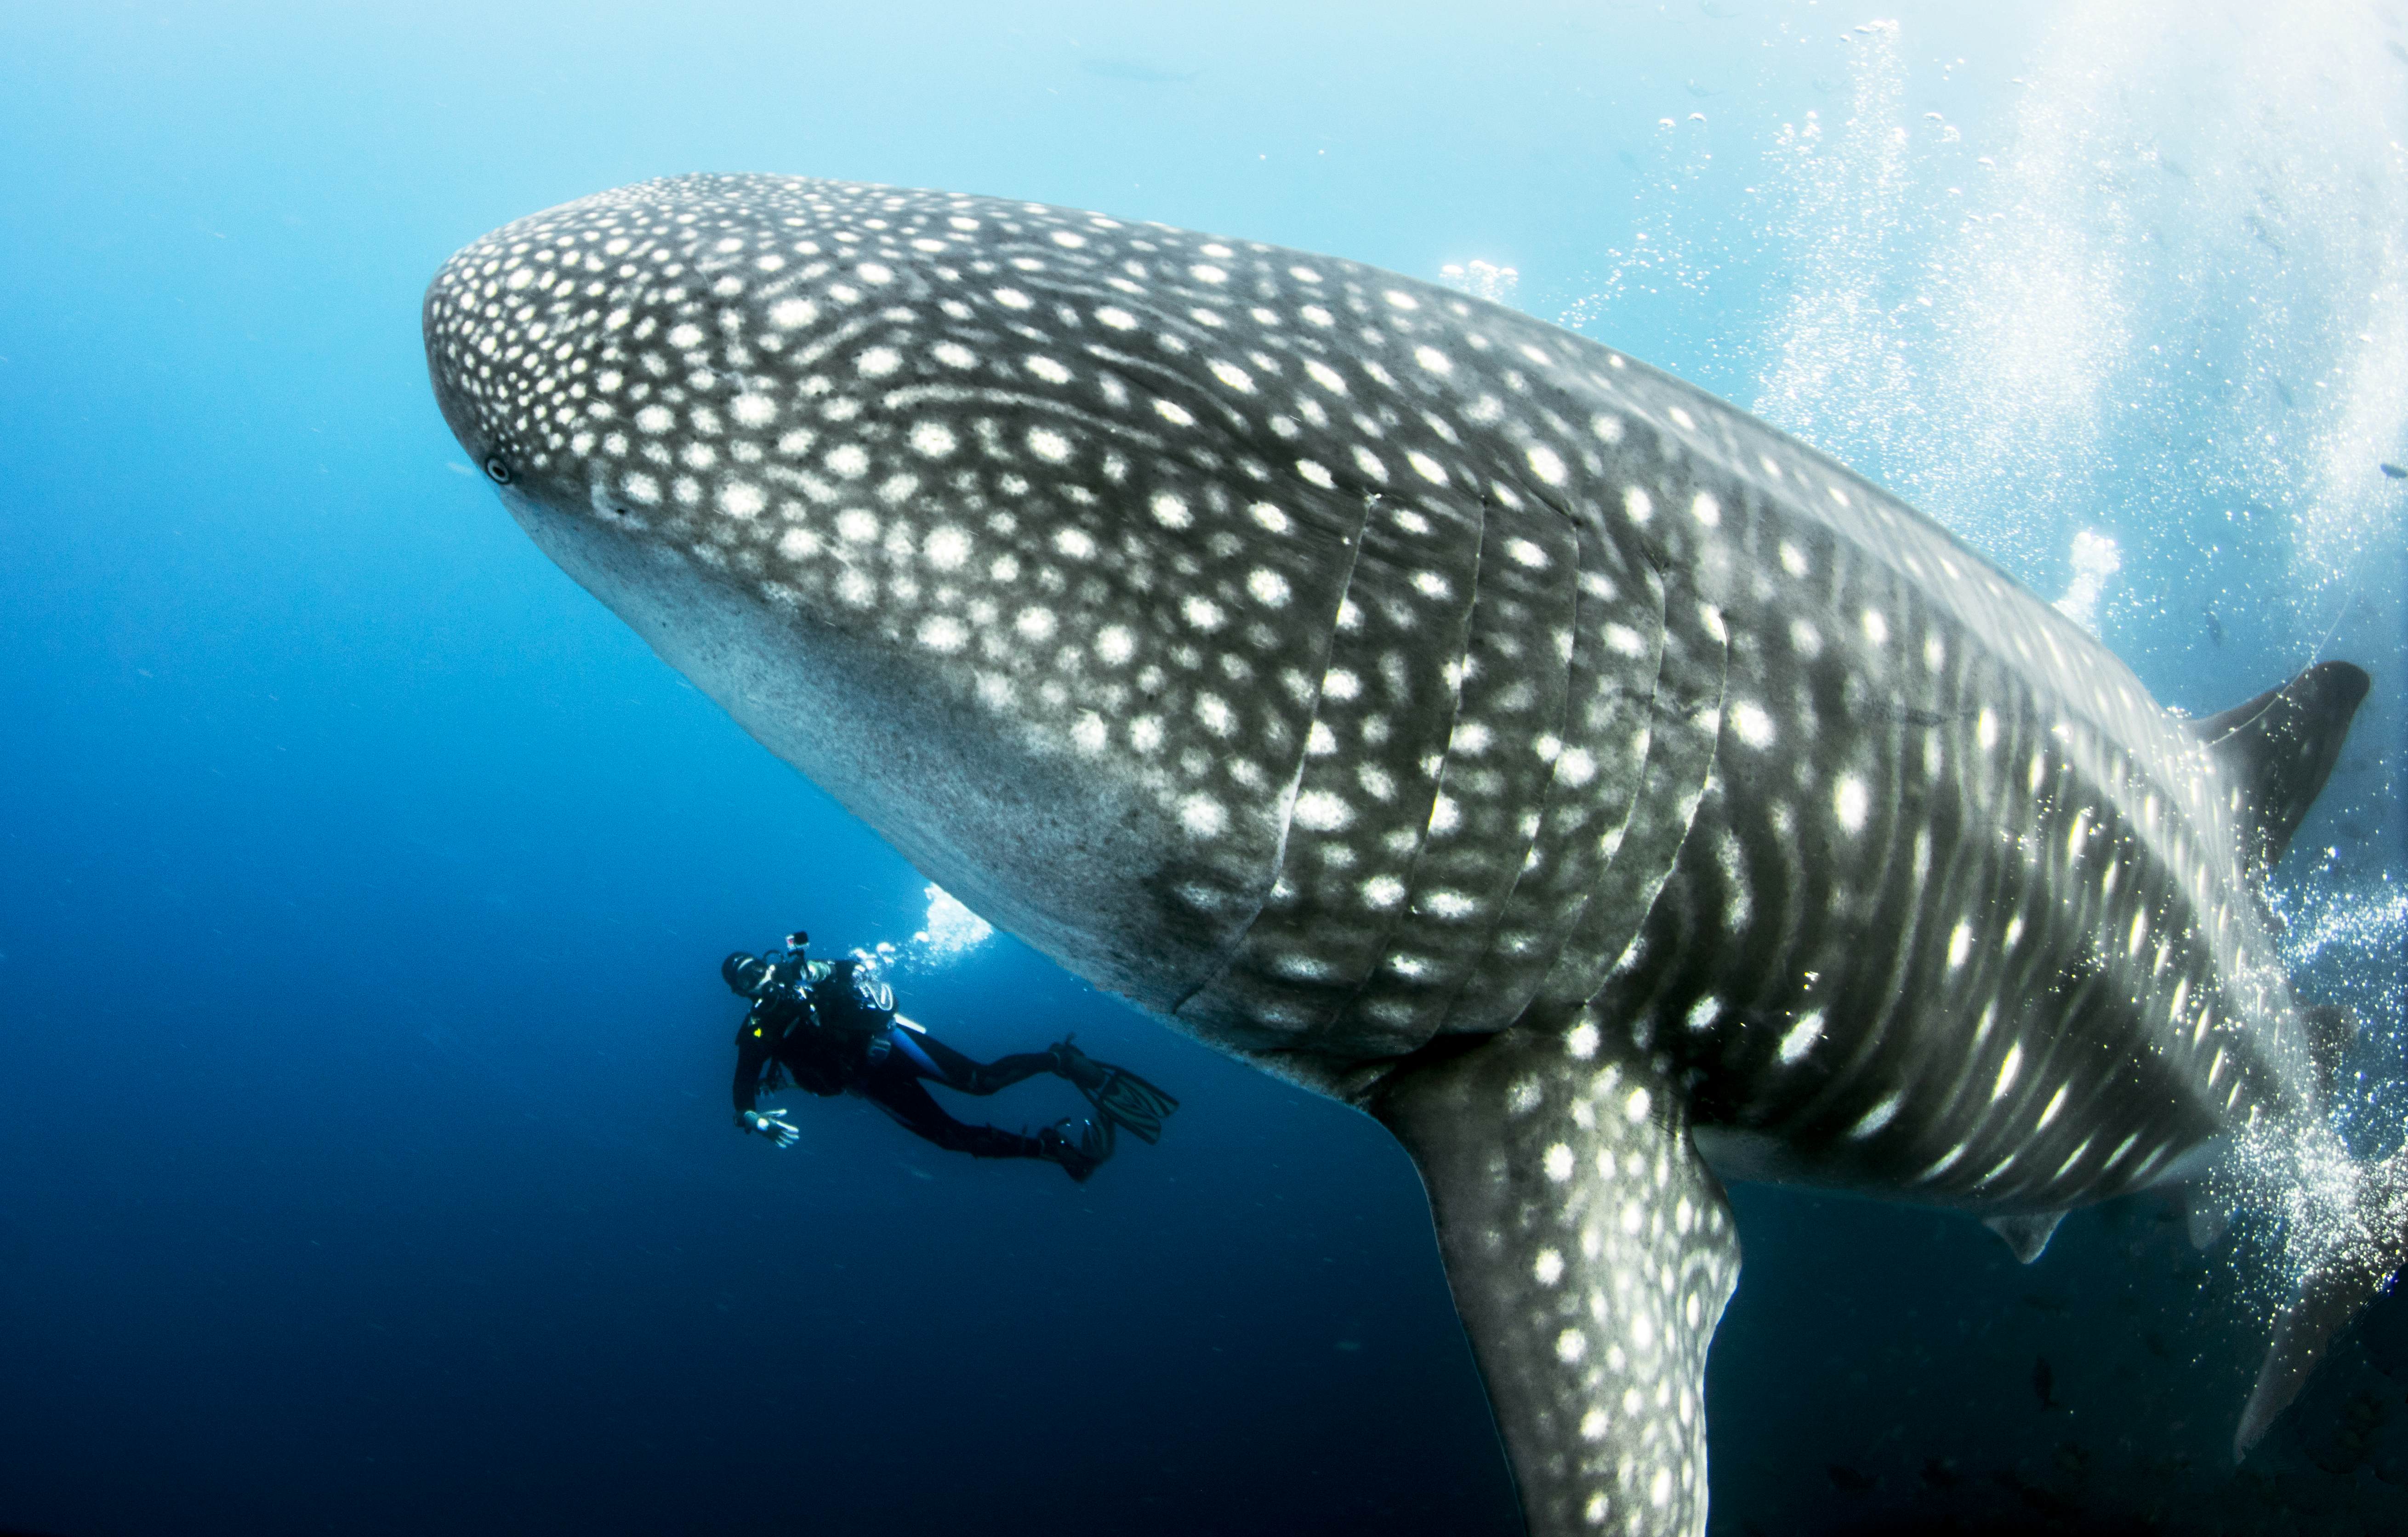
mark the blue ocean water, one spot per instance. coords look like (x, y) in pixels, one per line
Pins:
(365, 1165)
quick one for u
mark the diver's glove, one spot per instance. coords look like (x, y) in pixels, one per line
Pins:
(774, 1125)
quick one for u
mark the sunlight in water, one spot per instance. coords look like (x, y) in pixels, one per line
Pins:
(2089, 305)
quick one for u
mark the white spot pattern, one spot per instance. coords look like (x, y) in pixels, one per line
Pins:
(1027, 448)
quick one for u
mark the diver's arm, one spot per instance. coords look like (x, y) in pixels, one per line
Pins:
(751, 1055)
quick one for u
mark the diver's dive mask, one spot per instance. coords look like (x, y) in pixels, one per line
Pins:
(744, 973)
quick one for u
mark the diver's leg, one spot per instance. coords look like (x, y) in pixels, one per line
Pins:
(933, 1060)
(893, 1085)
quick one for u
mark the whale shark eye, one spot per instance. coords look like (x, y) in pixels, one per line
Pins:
(499, 469)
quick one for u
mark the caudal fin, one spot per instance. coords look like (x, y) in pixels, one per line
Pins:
(2369, 1246)
(2276, 751)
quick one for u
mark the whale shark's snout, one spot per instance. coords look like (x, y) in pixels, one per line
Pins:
(987, 516)
(974, 582)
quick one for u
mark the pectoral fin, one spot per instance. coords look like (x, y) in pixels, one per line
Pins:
(1590, 1251)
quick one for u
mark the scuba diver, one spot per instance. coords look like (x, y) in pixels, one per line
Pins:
(830, 1027)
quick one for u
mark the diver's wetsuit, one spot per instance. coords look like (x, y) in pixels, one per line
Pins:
(833, 1031)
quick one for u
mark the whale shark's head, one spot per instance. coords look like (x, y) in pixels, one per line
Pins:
(993, 518)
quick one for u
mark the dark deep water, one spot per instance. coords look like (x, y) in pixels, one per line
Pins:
(364, 1163)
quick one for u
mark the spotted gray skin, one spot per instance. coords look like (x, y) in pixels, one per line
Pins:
(1438, 709)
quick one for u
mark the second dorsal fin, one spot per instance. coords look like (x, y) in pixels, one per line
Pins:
(2276, 750)
(2027, 1235)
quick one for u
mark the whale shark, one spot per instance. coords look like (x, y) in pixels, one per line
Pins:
(1450, 714)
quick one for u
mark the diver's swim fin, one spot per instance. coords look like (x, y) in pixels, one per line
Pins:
(1120, 1096)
